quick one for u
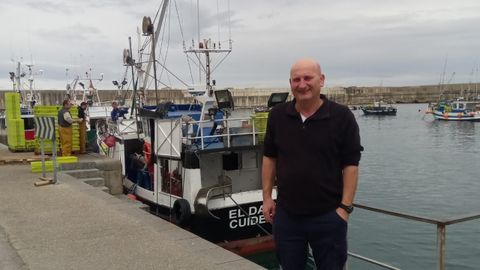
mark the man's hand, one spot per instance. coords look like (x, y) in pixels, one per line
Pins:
(342, 213)
(269, 209)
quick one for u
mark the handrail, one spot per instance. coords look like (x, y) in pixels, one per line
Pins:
(377, 263)
(441, 230)
(207, 197)
(227, 135)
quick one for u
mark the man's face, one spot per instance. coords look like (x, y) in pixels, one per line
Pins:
(306, 81)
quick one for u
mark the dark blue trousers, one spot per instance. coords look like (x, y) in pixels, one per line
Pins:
(326, 234)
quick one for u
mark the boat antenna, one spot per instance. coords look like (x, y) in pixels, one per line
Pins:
(198, 36)
(218, 25)
(229, 27)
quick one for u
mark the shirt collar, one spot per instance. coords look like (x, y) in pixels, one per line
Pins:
(322, 112)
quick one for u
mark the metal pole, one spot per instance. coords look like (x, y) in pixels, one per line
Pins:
(134, 84)
(154, 69)
(42, 149)
(441, 231)
(54, 158)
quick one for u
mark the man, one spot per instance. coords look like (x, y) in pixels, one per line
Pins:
(116, 112)
(312, 150)
(82, 116)
(65, 122)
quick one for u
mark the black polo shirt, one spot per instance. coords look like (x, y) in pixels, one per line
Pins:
(311, 155)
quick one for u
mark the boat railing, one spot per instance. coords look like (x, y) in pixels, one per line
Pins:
(223, 190)
(227, 133)
(440, 223)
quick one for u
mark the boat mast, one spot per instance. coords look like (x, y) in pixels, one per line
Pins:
(154, 45)
(207, 48)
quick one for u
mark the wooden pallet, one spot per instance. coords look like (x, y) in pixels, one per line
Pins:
(5, 161)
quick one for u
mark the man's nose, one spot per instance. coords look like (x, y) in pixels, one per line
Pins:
(302, 83)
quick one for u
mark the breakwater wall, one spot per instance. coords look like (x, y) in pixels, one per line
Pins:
(253, 97)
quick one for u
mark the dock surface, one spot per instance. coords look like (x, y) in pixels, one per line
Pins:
(73, 225)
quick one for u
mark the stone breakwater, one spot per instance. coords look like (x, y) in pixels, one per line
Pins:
(254, 97)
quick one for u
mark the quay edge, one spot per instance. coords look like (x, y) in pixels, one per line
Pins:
(72, 225)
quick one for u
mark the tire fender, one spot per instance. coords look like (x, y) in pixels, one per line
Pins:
(182, 212)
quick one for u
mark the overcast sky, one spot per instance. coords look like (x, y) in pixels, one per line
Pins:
(357, 42)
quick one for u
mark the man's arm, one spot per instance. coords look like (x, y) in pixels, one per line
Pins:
(268, 180)
(68, 117)
(350, 180)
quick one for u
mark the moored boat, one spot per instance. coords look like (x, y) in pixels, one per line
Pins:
(379, 108)
(456, 110)
(197, 165)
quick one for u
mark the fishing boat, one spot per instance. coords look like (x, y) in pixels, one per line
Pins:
(379, 108)
(197, 165)
(456, 110)
(16, 123)
(82, 89)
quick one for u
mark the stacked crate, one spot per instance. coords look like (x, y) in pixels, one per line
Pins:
(260, 121)
(37, 165)
(15, 126)
(52, 111)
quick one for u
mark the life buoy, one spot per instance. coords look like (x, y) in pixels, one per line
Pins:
(181, 211)
(110, 141)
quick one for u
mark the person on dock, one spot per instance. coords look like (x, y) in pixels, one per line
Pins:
(65, 122)
(82, 116)
(315, 168)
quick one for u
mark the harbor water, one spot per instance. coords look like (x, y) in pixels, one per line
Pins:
(414, 164)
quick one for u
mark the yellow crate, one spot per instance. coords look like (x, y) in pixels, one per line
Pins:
(15, 133)
(46, 110)
(12, 105)
(36, 166)
(260, 121)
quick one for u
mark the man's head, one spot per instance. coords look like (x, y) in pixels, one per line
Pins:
(306, 80)
(114, 104)
(67, 104)
(83, 105)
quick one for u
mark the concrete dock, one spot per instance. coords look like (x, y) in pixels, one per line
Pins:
(73, 225)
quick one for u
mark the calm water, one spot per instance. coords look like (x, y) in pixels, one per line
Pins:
(416, 165)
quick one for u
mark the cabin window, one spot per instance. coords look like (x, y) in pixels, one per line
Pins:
(172, 177)
(460, 105)
(29, 123)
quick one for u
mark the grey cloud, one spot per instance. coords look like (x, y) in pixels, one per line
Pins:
(69, 34)
(50, 6)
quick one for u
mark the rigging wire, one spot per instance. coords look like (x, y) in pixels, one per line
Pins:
(161, 46)
(183, 39)
(229, 26)
(218, 25)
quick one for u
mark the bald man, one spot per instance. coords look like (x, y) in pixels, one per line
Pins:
(311, 152)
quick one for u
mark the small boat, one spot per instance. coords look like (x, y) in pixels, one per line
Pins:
(456, 110)
(379, 108)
